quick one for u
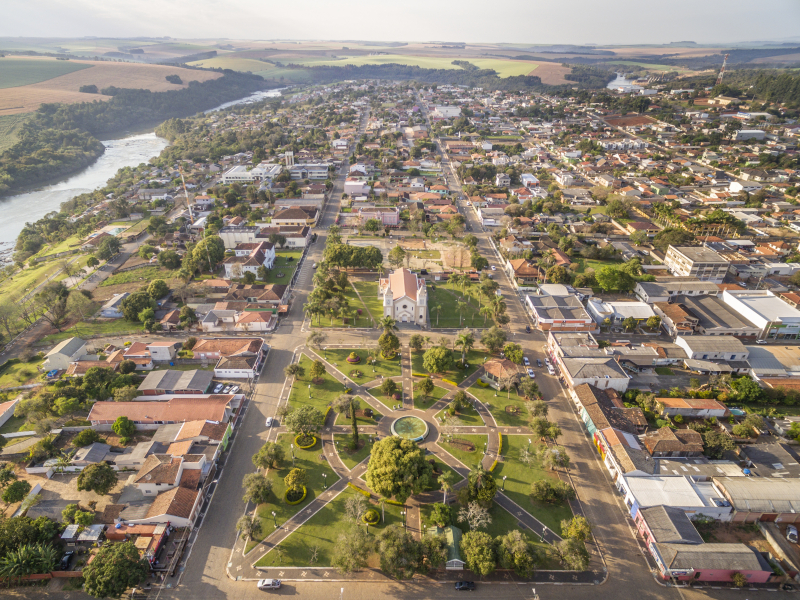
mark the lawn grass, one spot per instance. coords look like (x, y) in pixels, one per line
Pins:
(497, 405)
(22, 282)
(387, 368)
(322, 531)
(446, 298)
(144, 275)
(468, 415)
(586, 263)
(322, 395)
(15, 72)
(368, 290)
(304, 459)
(519, 480)
(343, 419)
(283, 266)
(425, 402)
(434, 486)
(664, 371)
(19, 373)
(13, 425)
(66, 245)
(90, 328)
(350, 460)
(470, 459)
(383, 398)
(475, 359)
(356, 320)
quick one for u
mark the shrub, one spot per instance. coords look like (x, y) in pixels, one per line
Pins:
(500, 445)
(293, 502)
(492, 468)
(350, 484)
(450, 382)
(371, 517)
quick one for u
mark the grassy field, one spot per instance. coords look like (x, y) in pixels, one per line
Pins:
(475, 359)
(15, 72)
(468, 416)
(356, 320)
(321, 532)
(520, 478)
(470, 459)
(497, 406)
(343, 419)
(368, 290)
(314, 467)
(251, 65)
(64, 246)
(19, 373)
(504, 68)
(425, 402)
(446, 297)
(322, 395)
(383, 398)
(19, 284)
(90, 328)
(649, 66)
(283, 266)
(145, 275)
(587, 263)
(349, 459)
(387, 368)
(9, 129)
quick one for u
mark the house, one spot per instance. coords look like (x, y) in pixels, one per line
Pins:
(666, 525)
(561, 313)
(496, 370)
(65, 352)
(523, 272)
(159, 383)
(762, 498)
(7, 410)
(248, 258)
(140, 355)
(148, 415)
(404, 296)
(171, 320)
(676, 319)
(164, 351)
(697, 408)
(297, 216)
(271, 295)
(696, 261)
(602, 409)
(528, 180)
(112, 309)
(603, 373)
(502, 180)
(177, 507)
(387, 216)
(710, 562)
(452, 536)
(669, 442)
(622, 454)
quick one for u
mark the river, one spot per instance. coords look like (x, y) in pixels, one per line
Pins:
(622, 83)
(128, 151)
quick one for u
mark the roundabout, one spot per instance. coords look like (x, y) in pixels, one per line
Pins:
(410, 428)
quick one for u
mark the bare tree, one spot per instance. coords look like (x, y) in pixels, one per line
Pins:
(555, 457)
(476, 516)
(450, 425)
(355, 507)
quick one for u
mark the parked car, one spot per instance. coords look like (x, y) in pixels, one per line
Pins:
(269, 584)
(235, 389)
(531, 374)
(314, 266)
(761, 342)
(551, 370)
(66, 560)
(525, 361)
(539, 363)
(791, 533)
(527, 328)
(494, 268)
(218, 388)
(269, 421)
(227, 389)
(465, 586)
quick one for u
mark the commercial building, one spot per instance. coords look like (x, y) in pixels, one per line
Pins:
(617, 312)
(559, 313)
(775, 318)
(158, 383)
(710, 562)
(693, 497)
(696, 261)
(653, 291)
(714, 318)
(712, 347)
(762, 498)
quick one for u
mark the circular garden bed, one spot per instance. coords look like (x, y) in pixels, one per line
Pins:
(355, 373)
(294, 497)
(514, 410)
(371, 517)
(304, 442)
(353, 359)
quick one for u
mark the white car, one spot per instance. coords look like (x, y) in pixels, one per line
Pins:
(269, 584)
(235, 389)
(525, 361)
(269, 421)
(761, 342)
(531, 374)
(219, 388)
(494, 268)
(551, 370)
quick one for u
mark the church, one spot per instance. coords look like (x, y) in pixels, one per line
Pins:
(405, 297)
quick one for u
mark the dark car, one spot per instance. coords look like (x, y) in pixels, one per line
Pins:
(538, 363)
(66, 560)
(465, 586)
(527, 328)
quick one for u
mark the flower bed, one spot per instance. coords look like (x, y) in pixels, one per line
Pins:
(371, 517)
(304, 443)
(353, 359)
(287, 497)
(355, 373)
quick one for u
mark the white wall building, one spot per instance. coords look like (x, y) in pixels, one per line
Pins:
(405, 297)
(773, 316)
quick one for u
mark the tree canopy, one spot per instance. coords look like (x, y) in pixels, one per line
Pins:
(397, 468)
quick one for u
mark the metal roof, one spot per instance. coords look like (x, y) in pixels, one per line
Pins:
(725, 557)
(761, 494)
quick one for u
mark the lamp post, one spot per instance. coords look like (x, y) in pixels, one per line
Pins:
(504, 482)
(402, 512)
(309, 390)
(529, 444)
(275, 518)
(292, 449)
(325, 480)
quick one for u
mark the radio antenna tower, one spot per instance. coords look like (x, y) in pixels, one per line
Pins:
(722, 70)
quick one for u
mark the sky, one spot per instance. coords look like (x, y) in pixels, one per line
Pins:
(610, 22)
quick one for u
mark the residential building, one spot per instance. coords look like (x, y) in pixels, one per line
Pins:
(523, 272)
(602, 409)
(775, 318)
(668, 442)
(496, 370)
(603, 373)
(159, 383)
(297, 217)
(712, 347)
(617, 312)
(248, 258)
(697, 408)
(562, 313)
(713, 563)
(237, 357)
(70, 350)
(112, 309)
(404, 296)
(164, 350)
(652, 291)
(388, 216)
(622, 454)
(666, 525)
(696, 261)
(149, 415)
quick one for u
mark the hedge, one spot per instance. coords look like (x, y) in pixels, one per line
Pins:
(494, 464)
(303, 497)
(358, 489)
(450, 382)
(311, 445)
(418, 374)
(327, 412)
(500, 446)
(394, 502)
(483, 385)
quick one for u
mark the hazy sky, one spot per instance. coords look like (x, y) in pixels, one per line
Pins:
(517, 21)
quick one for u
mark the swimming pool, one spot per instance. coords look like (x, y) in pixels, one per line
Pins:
(737, 411)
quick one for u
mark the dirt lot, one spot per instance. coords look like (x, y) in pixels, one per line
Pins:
(551, 73)
(627, 121)
(733, 533)
(27, 98)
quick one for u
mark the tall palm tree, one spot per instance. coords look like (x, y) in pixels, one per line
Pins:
(486, 311)
(466, 341)
(388, 324)
(498, 305)
(460, 305)
(438, 309)
(313, 308)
